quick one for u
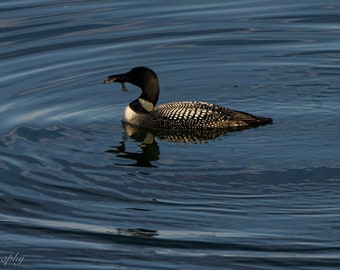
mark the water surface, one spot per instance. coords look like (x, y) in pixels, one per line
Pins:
(78, 193)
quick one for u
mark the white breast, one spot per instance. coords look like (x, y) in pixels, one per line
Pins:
(130, 116)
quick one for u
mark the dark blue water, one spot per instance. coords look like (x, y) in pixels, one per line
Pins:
(78, 193)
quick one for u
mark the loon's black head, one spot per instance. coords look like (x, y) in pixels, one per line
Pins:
(144, 78)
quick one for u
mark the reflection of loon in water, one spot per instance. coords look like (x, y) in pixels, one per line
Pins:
(146, 136)
(148, 145)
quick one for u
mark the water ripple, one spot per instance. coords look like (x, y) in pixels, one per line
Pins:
(77, 192)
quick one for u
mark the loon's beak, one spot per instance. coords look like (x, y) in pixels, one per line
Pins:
(119, 78)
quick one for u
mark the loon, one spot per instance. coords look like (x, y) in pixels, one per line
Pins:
(185, 115)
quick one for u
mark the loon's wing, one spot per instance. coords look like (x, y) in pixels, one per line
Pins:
(196, 115)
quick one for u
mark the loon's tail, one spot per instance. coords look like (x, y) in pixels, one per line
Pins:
(247, 119)
(264, 120)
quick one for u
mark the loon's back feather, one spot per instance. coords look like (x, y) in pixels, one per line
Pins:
(197, 115)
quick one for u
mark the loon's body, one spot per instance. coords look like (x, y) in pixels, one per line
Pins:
(185, 115)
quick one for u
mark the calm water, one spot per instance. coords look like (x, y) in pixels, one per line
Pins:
(78, 193)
